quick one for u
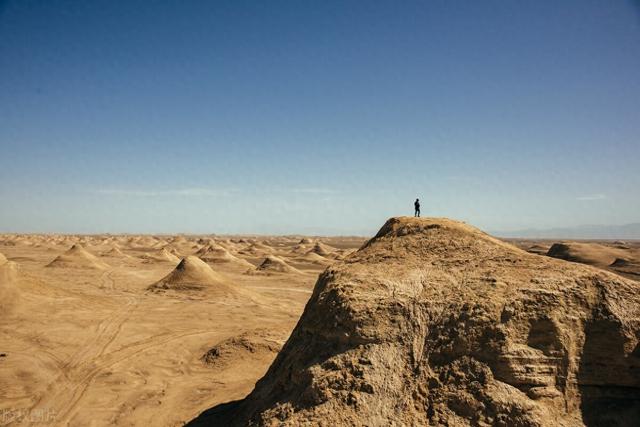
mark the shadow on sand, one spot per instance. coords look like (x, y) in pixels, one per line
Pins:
(220, 415)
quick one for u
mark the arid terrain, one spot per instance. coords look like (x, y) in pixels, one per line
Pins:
(618, 256)
(101, 330)
(155, 330)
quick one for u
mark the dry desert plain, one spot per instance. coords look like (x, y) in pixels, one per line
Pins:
(90, 334)
(154, 330)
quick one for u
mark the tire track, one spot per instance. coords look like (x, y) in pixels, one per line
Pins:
(67, 401)
(58, 392)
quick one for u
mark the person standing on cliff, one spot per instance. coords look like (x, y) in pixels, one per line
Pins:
(416, 206)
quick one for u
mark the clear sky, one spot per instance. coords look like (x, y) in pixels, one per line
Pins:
(317, 116)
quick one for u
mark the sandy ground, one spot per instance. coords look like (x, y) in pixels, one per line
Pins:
(84, 342)
(90, 345)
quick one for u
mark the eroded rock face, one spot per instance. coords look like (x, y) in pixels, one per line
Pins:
(433, 322)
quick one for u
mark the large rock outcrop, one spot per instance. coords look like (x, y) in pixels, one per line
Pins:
(433, 322)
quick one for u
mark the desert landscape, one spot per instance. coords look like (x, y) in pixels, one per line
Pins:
(131, 330)
(326, 213)
(618, 256)
(431, 322)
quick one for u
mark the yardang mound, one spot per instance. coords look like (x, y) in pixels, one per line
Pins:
(626, 267)
(433, 322)
(322, 249)
(274, 264)
(216, 254)
(194, 274)
(538, 249)
(245, 348)
(161, 255)
(256, 250)
(585, 253)
(78, 257)
(313, 258)
(115, 252)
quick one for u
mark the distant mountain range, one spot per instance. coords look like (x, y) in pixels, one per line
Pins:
(615, 232)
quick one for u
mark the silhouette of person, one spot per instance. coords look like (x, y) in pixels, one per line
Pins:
(416, 205)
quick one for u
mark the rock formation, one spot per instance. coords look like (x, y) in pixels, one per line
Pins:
(585, 253)
(625, 262)
(626, 267)
(115, 252)
(321, 249)
(313, 258)
(161, 255)
(78, 257)
(242, 348)
(193, 274)
(273, 264)
(216, 254)
(433, 322)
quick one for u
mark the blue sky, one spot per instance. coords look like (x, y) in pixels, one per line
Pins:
(317, 117)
